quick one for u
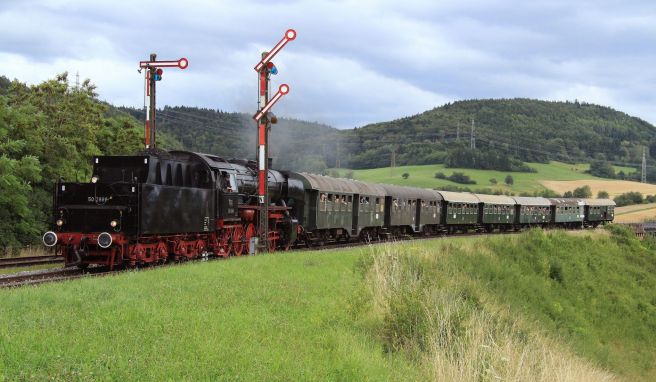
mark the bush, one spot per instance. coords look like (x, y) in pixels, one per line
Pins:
(493, 181)
(509, 180)
(461, 178)
(440, 175)
(405, 175)
(628, 199)
(602, 195)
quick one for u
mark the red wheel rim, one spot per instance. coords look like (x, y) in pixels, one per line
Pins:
(237, 245)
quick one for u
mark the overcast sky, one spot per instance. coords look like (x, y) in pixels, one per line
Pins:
(353, 62)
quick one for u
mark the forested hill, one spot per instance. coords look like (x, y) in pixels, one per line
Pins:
(508, 132)
(295, 145)
(522, 129)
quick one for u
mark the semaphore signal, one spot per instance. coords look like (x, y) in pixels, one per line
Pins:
(265, 68)
(153, 74)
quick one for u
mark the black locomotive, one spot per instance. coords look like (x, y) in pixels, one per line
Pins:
(161, 205)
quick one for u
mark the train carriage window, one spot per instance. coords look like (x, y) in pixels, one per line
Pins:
(323, 199)
(168, 178)
(177, 179)
(329, 202)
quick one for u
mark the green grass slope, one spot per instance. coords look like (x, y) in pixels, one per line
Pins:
(533, 306)
(424, 176)
(280, 317)
(485, 301)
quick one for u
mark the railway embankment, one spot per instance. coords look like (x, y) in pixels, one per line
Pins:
(535, 306)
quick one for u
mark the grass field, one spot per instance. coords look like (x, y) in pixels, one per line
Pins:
(536, 306)
(424, 176)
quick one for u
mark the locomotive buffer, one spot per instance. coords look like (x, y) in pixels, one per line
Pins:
(265, 68)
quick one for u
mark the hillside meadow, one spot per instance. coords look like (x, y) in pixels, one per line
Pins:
(539, 306)
(523, 182)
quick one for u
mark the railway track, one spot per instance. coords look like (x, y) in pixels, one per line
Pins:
(13, 262)
(63, 274)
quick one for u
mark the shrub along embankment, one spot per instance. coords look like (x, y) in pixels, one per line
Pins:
(536, 306)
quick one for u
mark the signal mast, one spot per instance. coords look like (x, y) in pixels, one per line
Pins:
(265, 68)
(153, 74)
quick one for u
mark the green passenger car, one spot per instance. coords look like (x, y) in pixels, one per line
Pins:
(341, 204)
(496, 209)
(530, 210)
(567, 211)
(459, 208)
(411, 207)
(598, 210)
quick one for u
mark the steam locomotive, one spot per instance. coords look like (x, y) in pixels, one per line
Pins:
(161, 206)
(172, 206)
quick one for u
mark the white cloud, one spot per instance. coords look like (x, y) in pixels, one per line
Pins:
(353, 62)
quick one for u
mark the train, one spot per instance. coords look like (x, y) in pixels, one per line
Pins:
(170, 206)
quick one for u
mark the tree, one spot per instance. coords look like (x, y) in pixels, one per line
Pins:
(602, 195)
(582, 192)
(17, 223)
(405, 175)
(602, 169)
(509, 180)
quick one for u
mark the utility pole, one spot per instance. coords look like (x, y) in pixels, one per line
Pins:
(264, 69)
(77, 80)
(472, 137)
(152, 75)
(644, 166)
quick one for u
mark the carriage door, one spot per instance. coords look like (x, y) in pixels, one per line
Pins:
(417, 215)
(356, 207)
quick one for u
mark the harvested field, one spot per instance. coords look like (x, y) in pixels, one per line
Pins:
(613, 187)
(635, 213)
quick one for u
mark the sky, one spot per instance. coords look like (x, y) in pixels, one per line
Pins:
(353, 62)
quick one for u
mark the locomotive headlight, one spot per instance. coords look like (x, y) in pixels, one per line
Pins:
(113, 223)
(94, 179)
(104, 240)
(49, 239)
(59, 222)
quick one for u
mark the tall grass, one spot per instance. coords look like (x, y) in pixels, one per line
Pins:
(467, 310)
